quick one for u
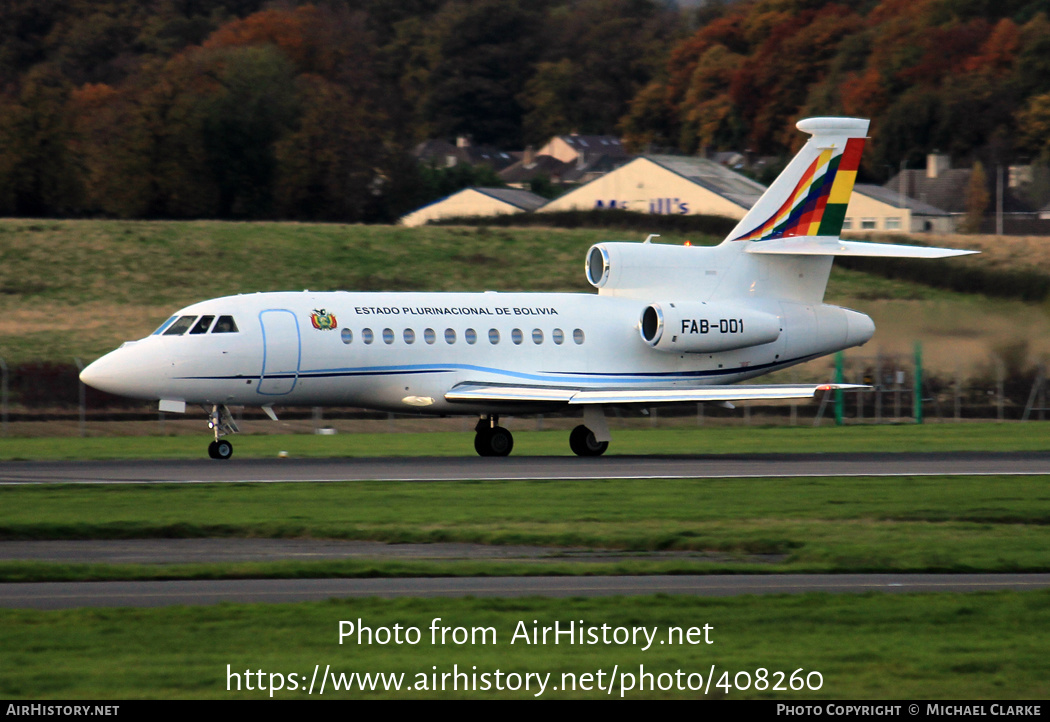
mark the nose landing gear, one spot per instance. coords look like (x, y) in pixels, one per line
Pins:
(220, 420)
(220, 449)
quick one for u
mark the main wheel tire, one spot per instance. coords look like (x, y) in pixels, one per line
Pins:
(223, 450)
(583, 443)
(500, 442)
(211, 449)
(493, 442)
(481, 442)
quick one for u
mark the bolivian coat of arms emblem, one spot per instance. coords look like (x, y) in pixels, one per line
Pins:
(322, 320)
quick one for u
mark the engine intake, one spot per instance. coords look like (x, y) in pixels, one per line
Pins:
(693, 327)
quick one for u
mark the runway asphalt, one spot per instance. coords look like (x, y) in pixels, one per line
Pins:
(523, 467)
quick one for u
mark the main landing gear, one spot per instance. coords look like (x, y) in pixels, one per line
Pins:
(491, 439)
(220, 420)
(583, 443)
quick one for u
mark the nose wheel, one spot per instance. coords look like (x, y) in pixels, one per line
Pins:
(220, 420)
(220, 449)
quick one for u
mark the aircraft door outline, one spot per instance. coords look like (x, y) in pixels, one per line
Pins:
(282, 352)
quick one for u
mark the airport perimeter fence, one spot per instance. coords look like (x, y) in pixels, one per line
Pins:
(45, 399)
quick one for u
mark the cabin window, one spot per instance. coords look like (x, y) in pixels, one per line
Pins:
(577, 336)
(181, 326)
(226, 324)
(164, 325)
(493, 336)
(537, 336)
(558, 336)
(347, 335)
(366, 336)
(388, 336)
(202, 325)
(516, 336)
(450, 336)
(471, 336)
(428, 335)
(410, 336)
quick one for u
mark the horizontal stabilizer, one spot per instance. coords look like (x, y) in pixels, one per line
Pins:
(831, 246)
(479, 392)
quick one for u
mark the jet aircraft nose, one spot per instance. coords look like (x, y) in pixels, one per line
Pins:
(115, 373)
(102, 374)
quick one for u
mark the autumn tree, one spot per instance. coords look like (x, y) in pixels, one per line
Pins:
(597, 55)
(330, 166)
(1033, 124)
(38, 175)
(480, 55)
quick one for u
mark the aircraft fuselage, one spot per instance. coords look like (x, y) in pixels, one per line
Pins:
(403, 351)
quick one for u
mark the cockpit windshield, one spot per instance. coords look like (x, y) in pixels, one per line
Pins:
(202, 325)
(225, 324)
(164, 325)
(196, 325)
(181, 326)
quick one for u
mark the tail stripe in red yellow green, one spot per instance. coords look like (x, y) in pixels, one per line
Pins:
(817, 205)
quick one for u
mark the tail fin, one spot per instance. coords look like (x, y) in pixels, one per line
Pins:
(809, 198)
(801, 214)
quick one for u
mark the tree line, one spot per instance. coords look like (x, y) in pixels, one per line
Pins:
(246, 109)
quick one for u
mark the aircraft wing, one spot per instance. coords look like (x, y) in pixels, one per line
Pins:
(483, 392)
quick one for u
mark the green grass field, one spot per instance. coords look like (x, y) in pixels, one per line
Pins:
(873, 646)
(871, 524)
(687, 439)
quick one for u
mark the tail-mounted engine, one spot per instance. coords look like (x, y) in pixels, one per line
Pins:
(694, 327)
(635, 269)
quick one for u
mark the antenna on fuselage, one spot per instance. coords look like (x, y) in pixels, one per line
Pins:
(651, 237)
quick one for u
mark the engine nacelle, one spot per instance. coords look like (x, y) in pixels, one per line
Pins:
(634, 269)
(696, 327)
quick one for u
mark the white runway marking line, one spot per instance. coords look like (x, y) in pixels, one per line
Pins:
(533, 477)
(561, 585)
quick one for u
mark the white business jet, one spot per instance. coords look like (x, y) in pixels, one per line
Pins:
(669, 324)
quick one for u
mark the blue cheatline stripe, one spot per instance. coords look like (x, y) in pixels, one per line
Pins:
(550, 377)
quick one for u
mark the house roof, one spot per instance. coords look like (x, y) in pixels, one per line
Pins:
(713, 176)
(594, 166)
(524, 200)
(540, 165)
(891, 197)
(948, 191)
(602, 144)
(521, 200)
(440, 150)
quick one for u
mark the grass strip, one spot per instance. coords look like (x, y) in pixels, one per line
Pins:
(819, 525)
(873, 646)
(1029, 436)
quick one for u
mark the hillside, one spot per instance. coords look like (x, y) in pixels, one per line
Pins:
(80, 288)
